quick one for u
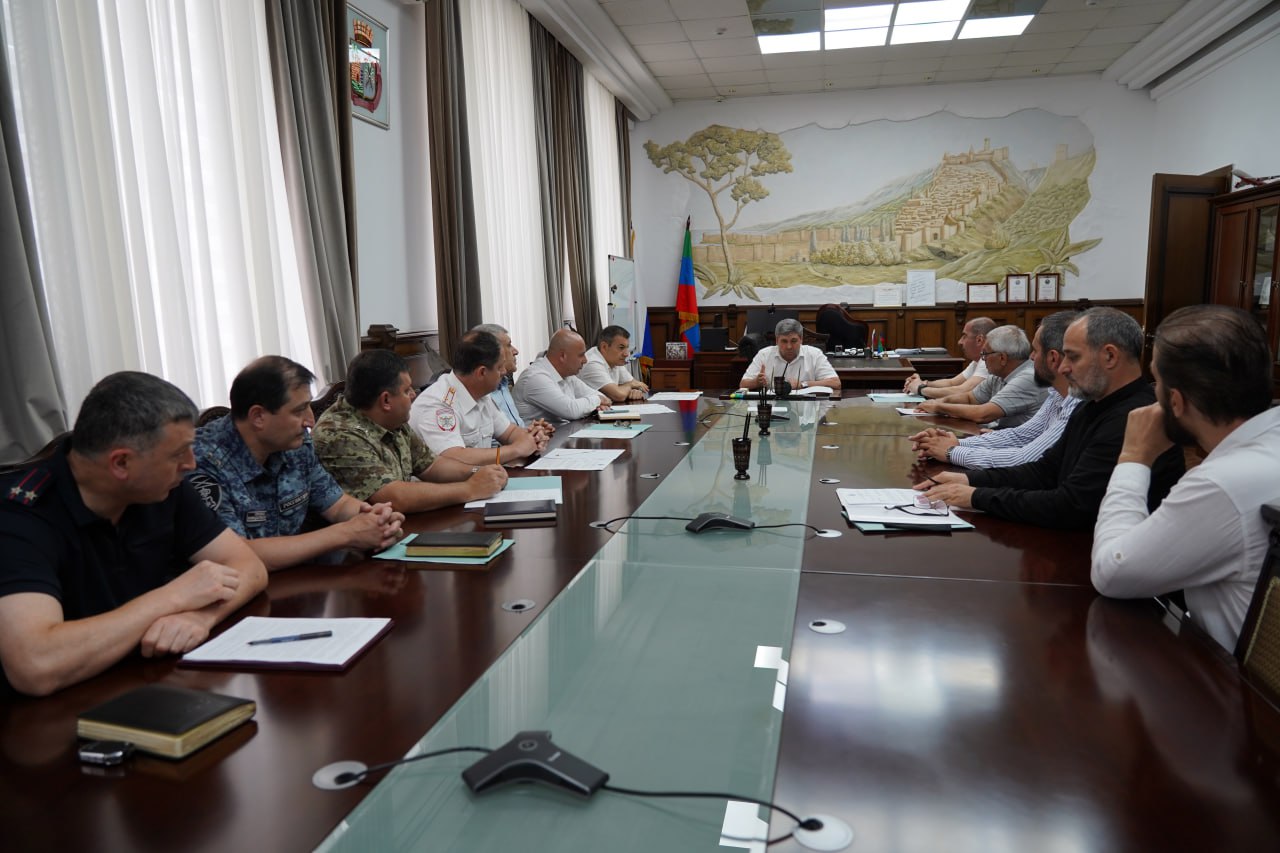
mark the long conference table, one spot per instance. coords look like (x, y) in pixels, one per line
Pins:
(980, 697)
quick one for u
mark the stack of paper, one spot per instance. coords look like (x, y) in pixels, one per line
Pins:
(875, 510)
(891, 397)
(525, 489)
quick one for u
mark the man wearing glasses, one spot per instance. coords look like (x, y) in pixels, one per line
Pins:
(1009, 396)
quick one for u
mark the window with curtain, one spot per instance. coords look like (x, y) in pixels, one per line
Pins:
(606, 186)
(504, 170)
(155, 174)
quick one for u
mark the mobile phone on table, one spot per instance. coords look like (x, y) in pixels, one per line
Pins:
(107, 753)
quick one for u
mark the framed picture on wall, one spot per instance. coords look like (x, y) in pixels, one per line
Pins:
(984, 292)
(367, 55)
(1047, 286)
(1018, 287)
(677, 350)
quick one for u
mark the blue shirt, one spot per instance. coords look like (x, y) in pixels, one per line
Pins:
(506, 403)
(259, 501)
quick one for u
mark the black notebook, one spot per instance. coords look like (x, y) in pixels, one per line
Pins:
(453, 544)
(509, 511)
(165, 720)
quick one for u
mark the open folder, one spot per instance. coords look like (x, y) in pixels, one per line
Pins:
(894, 509)
(232, 649)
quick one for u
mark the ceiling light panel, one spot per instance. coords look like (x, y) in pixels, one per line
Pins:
(858, 17)
(984, 28)
(790, 43)
(930, 12)
(841, 39)
(917, 33)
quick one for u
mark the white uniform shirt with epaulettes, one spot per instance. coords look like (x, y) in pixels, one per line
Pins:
(446, 415)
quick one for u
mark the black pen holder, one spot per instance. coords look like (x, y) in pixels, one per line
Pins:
(781, 388)
(742, 458)
(764, 414)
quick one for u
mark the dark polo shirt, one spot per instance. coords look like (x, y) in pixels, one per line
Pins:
(53, 544)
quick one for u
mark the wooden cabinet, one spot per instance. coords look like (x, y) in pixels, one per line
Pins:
(1245, 259)
(670, 375)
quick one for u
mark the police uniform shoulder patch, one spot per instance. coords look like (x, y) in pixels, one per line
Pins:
(209, 489)
(30, 487)
(446, 420)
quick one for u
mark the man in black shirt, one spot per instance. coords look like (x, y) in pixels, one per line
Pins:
(106, 548)
(1102, 360)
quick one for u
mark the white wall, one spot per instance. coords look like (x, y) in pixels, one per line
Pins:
(1121, 121)
(393, 185)
(1228, 117)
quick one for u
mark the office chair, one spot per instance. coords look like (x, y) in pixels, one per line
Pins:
(211, 414)
(761, 321)
(841, 328)
(39, 456)
(328, 398)
(1258, 649)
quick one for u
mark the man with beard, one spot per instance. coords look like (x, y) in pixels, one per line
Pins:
(1102, 353)
(1028, 442)
(1213, 386)
(257, 469)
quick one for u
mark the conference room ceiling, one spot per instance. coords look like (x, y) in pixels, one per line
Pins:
(697, 49)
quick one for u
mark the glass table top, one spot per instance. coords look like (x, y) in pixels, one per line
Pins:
(644, 666)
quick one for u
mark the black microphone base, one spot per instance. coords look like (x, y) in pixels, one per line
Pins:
(532, 757)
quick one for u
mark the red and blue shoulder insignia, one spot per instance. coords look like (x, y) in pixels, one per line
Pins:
(30, 487)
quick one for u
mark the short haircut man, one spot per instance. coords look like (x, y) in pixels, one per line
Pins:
(973, 340)
(1027, 442)
(504, 397)
(107, 548)
(257, 469)
(1213, 386)
(1102, 353)
(550, 387)
(364, 440)
(790, 359)
(1009, 396)
(457, 417)
(606, 367)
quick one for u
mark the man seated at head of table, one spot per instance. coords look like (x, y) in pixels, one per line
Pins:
(108, 549)
(1213, 388)
(1102, 352)
(365, 441)
(257, 469)
(973, 340)
(1009, 396)
(457, 417)
(1025, 443)
(801, 365)
(502, 397)
(606, 367)
(550, 387)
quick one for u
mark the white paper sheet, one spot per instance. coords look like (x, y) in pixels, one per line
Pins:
(873, 505)
(619, 430)
(575, 459)
(525, 489)
(675, 395)
(912, 413)
(350, 635)
(644, 409)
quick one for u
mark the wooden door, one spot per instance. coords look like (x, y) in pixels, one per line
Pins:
(1230, 252)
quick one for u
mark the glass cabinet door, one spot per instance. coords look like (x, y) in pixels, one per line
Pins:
(1263, 290)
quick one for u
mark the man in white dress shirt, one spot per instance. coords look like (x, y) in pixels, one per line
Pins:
(550, 387)
(1212, 368)
(973, 340)
(606, 367)
(802, 366)
(457, 416)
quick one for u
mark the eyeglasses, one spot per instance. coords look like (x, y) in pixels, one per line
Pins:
(987, 352)
(923, 506)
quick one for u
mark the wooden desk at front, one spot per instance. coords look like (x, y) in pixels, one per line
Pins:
(982, 697)
(725, 369)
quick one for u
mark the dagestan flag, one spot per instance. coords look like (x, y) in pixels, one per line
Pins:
(687, 295)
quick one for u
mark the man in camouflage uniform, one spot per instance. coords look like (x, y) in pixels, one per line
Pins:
(457, 417)
(365, 441)
(256, 468)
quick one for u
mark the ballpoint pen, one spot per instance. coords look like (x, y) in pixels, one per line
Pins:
(314, 635)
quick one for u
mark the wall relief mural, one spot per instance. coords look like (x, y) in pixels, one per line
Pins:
(843, 210)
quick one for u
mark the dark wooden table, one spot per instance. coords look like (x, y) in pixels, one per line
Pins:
(983, 697)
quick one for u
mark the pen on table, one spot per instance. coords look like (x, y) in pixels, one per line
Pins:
(314, 635)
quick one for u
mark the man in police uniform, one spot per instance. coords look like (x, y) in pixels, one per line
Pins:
(107, 549)
(365, 442)
(802, 366)
(457, 417)
(256, 468)
(606, 367)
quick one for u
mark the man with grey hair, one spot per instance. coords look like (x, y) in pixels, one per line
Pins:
(802, 366)
(1102, 360)
(107, 547)
(1009, 396)
(503, 397)
(1026, 443)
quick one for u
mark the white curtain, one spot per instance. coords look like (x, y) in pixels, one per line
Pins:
(606, 187)
(150, 135)
(504, 169)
